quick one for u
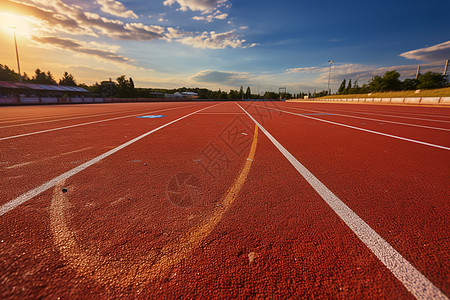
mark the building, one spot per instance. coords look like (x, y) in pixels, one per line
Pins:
(177, 95)
(18, 89)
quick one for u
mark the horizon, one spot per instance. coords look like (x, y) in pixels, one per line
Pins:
(222, 44)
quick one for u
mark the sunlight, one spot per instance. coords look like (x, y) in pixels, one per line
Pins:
(10, 23)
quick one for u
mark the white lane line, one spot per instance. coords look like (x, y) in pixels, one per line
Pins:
(34, 117)
(379, 120)
(80, 113)
(47, 158)
(394, 116)
(413, 114)
(361, 129)
(10, 205)
(88, 123)
(222, 113)
(409, 276)
(65, 119)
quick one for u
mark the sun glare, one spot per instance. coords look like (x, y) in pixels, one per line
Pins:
(10, 23)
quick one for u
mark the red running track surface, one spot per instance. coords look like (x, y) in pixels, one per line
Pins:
(209, 207)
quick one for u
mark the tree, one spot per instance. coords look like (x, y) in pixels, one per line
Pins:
(39, 76)
(375, 85)
(43, 78)
(409, 84)
(7, 74)
(355, 89)
(125, 87)
(25, 77)
(432, 80)
(248, 93)
(389, 82)
(67, 80)
(132, 88)
(349, 86)
(234, 95)
(364, 89)
(342, 87)
(271, 95)
(319, 94)
(241, 92)
(223, 95)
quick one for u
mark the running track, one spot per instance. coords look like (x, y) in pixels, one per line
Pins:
(225, 199)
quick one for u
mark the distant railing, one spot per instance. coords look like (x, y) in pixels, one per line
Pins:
(405, 100)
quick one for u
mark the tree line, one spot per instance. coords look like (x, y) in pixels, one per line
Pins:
(390, 82)
(123, 87)
(7, 74)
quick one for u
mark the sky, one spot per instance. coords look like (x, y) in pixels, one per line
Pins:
(225, 44)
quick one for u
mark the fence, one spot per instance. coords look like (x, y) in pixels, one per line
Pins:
(405, 100)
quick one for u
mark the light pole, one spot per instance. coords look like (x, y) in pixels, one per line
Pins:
(329, 76)
(17, 54)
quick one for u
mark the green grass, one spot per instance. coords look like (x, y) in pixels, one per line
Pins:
(445, 92)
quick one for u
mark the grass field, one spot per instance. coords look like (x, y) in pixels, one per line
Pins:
(424, 93)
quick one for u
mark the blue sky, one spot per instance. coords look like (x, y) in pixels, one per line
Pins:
(225, 43)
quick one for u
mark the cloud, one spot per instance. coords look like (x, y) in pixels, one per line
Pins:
(217, 15)
(210, 8)
(207, 40)
(434, 53)
(80, 47)
(197, 5)
(221, 77)
(213, 40)
(141, 32)
(174, 34)
(57, 16)
(305, 70)
(116, 8)
(53, 21)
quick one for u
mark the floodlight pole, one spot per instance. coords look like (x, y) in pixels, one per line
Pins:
(329, 76)
(17, 54)
(445, 68)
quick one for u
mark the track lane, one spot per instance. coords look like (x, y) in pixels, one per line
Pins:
(16, 114)
(38, 118)
(25, 164)
(432, 111)
(347, 115)
(24, 131)
(399, 189)
(66, 118)
(420, 136)
(410, 277)
(413, 112)
(439, 121)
